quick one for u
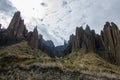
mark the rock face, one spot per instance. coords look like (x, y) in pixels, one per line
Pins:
(107, 44)
(83, 39)
(111, 41)
(46, 46)
(17, 32)
(0, 27)
(16, 28)
(34, 39)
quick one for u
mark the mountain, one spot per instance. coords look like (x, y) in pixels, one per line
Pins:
(26, 55)
(20, 61)
(34, 39)
(107, 44)
(111, 41)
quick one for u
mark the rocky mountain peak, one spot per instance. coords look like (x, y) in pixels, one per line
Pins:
(14, 22)
(108, 42)
(87, 30)
(111, 41)
(83, 39)
(34, 39)
(16, 28)
(0, 25)
(114, 26)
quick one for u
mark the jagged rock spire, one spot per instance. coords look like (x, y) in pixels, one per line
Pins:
(34, 39)
(0, 26)
(16, 27)
(111, 41)
(13, 24)
(83, 39)
(108, 41)
(87, 29)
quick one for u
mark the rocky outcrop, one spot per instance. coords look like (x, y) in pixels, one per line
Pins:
(0, 27)
(34, 39)
(83, 39)
(16, 28)
(111, 40)
(15, 32)
(89, 40)
(46, 46)
(107, 44)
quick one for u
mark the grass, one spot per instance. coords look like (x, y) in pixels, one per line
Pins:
(90, 63)
(22, 54)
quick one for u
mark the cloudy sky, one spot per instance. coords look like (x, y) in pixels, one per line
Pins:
(57, 19)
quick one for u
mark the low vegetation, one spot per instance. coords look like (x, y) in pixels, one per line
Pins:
(21, 62)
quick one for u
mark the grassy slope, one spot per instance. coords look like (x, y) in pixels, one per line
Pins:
(88, 63)
(21, 54)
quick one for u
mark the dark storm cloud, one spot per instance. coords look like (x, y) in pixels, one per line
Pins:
(6, 7)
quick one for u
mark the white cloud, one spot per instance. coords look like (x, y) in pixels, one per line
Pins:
(6, 10)
(57, 19)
